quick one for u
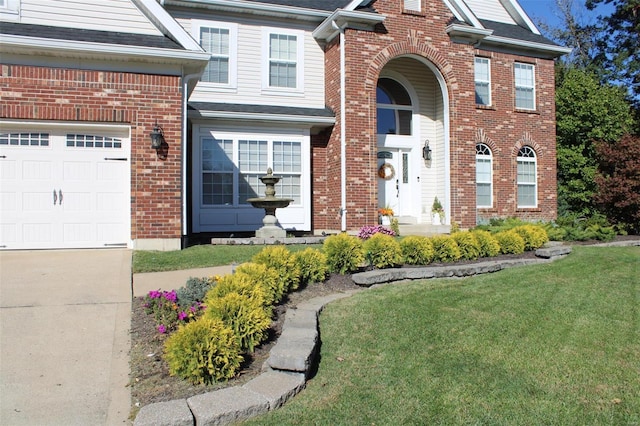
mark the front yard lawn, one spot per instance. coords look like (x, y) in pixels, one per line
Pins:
(549, 344)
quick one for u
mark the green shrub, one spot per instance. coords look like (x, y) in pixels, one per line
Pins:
(445, 249)
(194, 291)
(382, 251)
(280, 259)
(312, 264)
(248, 318)
(534, 236)
(344, 253)
(489, 246)
(203, 351)
(416, 250)
(510, 242)
(241, 284)
(555, 232)
(265, 277)
(468, 245)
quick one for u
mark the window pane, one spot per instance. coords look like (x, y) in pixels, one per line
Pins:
(526, 172)
(217, 188)
(404, 122)
(249, 186)
(386, 121)
(289, 187)
(252, 156)
(216, 42)
(524, 98)
(483, 195)
(483, 170)
(217, 155)
(526, 195)
(282, 75)
(287, 157)
(482, 93)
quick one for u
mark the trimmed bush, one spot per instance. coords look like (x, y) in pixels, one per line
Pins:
(265, 277)
(468, 245)
(248, 318)
(489, 246)
(416, 250)
(312, 264)
(382, 251)
(510, 242)
(534, 236)
(344, 253)
(203, 352)
(445, 249)
(194, 291)
(280, 259)
(241, 284)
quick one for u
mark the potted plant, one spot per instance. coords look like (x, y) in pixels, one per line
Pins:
(437, 212)
(385, 214)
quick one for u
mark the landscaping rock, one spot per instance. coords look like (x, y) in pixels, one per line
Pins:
(554, 251)
(276, 386)
(301, 318)
(170, 413)
(295, 350)
(227, 406)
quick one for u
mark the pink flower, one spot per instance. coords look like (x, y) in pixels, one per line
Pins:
(154, 294)
(182, 315)
(162, 329)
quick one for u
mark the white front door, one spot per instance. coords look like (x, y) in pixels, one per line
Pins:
(64, 189)
(394, 180)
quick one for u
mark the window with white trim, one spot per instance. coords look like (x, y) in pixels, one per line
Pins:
(394, 108)
(484, 176)
(24, 139)
(11, 7)
(525, 86)
(527, 177)
(413, 5)
(283, 59)
(220, 40)
(482, 81)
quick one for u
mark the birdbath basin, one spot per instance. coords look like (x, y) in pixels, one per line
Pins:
(270, 203)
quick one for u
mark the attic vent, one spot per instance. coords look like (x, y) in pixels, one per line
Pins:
(412, 5)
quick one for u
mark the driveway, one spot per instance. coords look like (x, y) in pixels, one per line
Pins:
(64, 337)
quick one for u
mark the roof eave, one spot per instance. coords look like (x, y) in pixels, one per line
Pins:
(466, 33)
(544, 50)
(254, 116)
(341, 19)
(289, 12)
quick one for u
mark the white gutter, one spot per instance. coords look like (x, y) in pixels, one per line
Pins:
(343, 131)
(291, 12)
(304, 119)
(529, 45)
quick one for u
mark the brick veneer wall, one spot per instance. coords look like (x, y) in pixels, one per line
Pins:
(137, 100)
(501, 127)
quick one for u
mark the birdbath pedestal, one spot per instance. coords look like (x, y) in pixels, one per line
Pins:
(270, 203)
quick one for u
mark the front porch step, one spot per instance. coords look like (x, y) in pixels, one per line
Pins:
(424, 229)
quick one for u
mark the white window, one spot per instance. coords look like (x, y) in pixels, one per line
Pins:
(413, 5)
(484, 178)
(394, 109)
(525, 86)
(483, 81)
(10, 10)
(283, 64)
(220, 40)
(527, 178)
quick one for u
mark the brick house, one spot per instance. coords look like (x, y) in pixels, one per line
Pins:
(355, 104)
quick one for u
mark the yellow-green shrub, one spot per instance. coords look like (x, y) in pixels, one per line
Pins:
(416, 250)
(203, 351)
(344, 253)
(445, 249)
(248, 318)
(280, 259)
(510, 242)
(265, 277)
(468, 245)
(312, 264)
(241, 284)
(534, 236)
(382, 251)
(489, 246)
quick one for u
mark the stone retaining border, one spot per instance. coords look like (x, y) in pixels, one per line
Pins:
(292, 358)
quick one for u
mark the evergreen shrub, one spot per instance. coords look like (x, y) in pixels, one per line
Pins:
(194, 291)
(534, 236)
(382, 251)
(468, 245)
(510, 242)
(489, 246)
(241, 284)
(312, 264)
(416, 250)
(203, 352)
(445, 249)
(280, 259)
(344, 253)
(267, 278)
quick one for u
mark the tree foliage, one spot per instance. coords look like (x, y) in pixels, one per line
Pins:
(618, 181)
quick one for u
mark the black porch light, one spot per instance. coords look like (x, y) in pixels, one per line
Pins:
(157, 137)
(426, 151)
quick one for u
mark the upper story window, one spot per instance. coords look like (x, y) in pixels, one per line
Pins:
(483, 81)
(413, 5)
(395, 111)
(484, 178)
(283, 59)
(525, 86)
(527, 178)
(219, 39)
(10, 10)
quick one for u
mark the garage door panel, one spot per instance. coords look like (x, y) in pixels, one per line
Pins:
(37, 170)
(8, 170)
(77, 171)
(77, 201)
(37, 233)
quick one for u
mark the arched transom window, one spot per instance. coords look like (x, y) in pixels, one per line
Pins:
(527, 178)
(484, 177)
(394, 108)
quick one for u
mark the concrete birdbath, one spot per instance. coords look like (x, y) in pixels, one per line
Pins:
(270, 203)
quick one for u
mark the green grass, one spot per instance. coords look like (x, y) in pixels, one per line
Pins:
(199, 257)
(552, 344)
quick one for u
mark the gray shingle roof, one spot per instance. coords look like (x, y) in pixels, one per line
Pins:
(326, 5)
(77, 34)
(515, 31)
(261, 109)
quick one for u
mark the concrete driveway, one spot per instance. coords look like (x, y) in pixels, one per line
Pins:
(64, 337)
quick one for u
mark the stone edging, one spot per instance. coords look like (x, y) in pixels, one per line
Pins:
(292, 358)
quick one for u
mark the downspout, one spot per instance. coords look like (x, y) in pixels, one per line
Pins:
(343, 131)
(183, 177)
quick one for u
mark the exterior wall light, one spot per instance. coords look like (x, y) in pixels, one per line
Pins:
(426, 151)
(157, 137)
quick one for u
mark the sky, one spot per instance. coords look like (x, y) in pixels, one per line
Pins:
(547, 11)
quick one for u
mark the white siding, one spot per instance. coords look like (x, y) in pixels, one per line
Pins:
(491, 10)
(249, 88)
(100, 15)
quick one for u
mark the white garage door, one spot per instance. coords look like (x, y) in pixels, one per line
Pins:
(64, 187)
